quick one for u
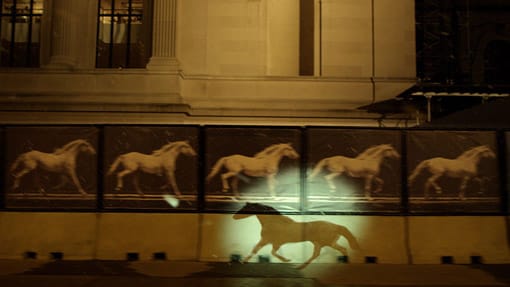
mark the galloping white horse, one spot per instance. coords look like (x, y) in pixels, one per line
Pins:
(62, 161)
(464, 166)
(263, 164)
(277, 230)
(365, 165)
(159, 162)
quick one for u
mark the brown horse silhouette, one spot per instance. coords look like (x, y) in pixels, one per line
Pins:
(278, 229)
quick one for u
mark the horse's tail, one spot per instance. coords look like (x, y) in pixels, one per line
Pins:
(318, 167)
(16, 163)
(216, 168)
(416, 171)
(353, 242)
(114, 165)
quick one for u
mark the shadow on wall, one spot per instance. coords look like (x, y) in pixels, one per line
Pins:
(280, 229)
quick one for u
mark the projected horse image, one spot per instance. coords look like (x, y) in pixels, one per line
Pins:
(366, 165)
(62, 161)
(465, 167)
(160, 162)
(263, 164)
(278, 230)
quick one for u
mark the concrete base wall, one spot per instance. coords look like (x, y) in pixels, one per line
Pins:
(432, 237)
(218, 237)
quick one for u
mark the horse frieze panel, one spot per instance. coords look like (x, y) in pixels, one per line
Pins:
(51, 167)
(453, 171)
(150, 167)
(353, 170)
(255, 164)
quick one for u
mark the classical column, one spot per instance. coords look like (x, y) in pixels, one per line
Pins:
(163, 36)
(63, 30)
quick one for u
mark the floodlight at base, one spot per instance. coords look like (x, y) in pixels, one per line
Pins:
(174, 202)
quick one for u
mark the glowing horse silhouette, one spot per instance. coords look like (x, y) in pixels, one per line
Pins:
(365, 165)
(62, 161)
(278, 230)
(159, 162)
(263, 164)
(464, 166)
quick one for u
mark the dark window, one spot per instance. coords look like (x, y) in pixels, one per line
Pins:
(20, 25)
(123, 34)
(497, 62)
(306, 37)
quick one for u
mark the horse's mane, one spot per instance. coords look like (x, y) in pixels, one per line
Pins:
(257, 207)
(71, 145)
(374, 151)
(270, 149)
(262, 208)
(168, 146)
(474, 151)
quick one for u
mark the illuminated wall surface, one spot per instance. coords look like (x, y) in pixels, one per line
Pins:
(288, 194)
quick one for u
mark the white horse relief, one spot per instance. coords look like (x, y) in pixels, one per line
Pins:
(263, 164)
(160, 162)
(62, 161)
(366, 165)
(465, 167)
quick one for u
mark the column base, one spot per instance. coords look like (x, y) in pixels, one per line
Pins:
(163, 64)
(61, 63)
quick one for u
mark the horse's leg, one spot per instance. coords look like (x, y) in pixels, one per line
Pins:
(120, 176)
(136, 184)
(380, 182)
(224, 179)
(63, 181)
(316, 253)
(432, 182)
(482, 183)
(235, 186)
(271, 183)
(274, 252)
(171, 180)
(76, 182)
(256, 249)
(340, 248)
(329, 179)
(37, 183)
(368, 185)
(29, 165)
(463, 186)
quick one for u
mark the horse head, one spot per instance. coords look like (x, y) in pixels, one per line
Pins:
(379, 151)
(250, 209)
(288, 151)
(485, 151)
(478, 152)
(389, 151)
(76, 145)
(86, 147)
(186, 149)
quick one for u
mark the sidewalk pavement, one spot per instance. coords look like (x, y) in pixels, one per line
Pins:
(70, 273)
